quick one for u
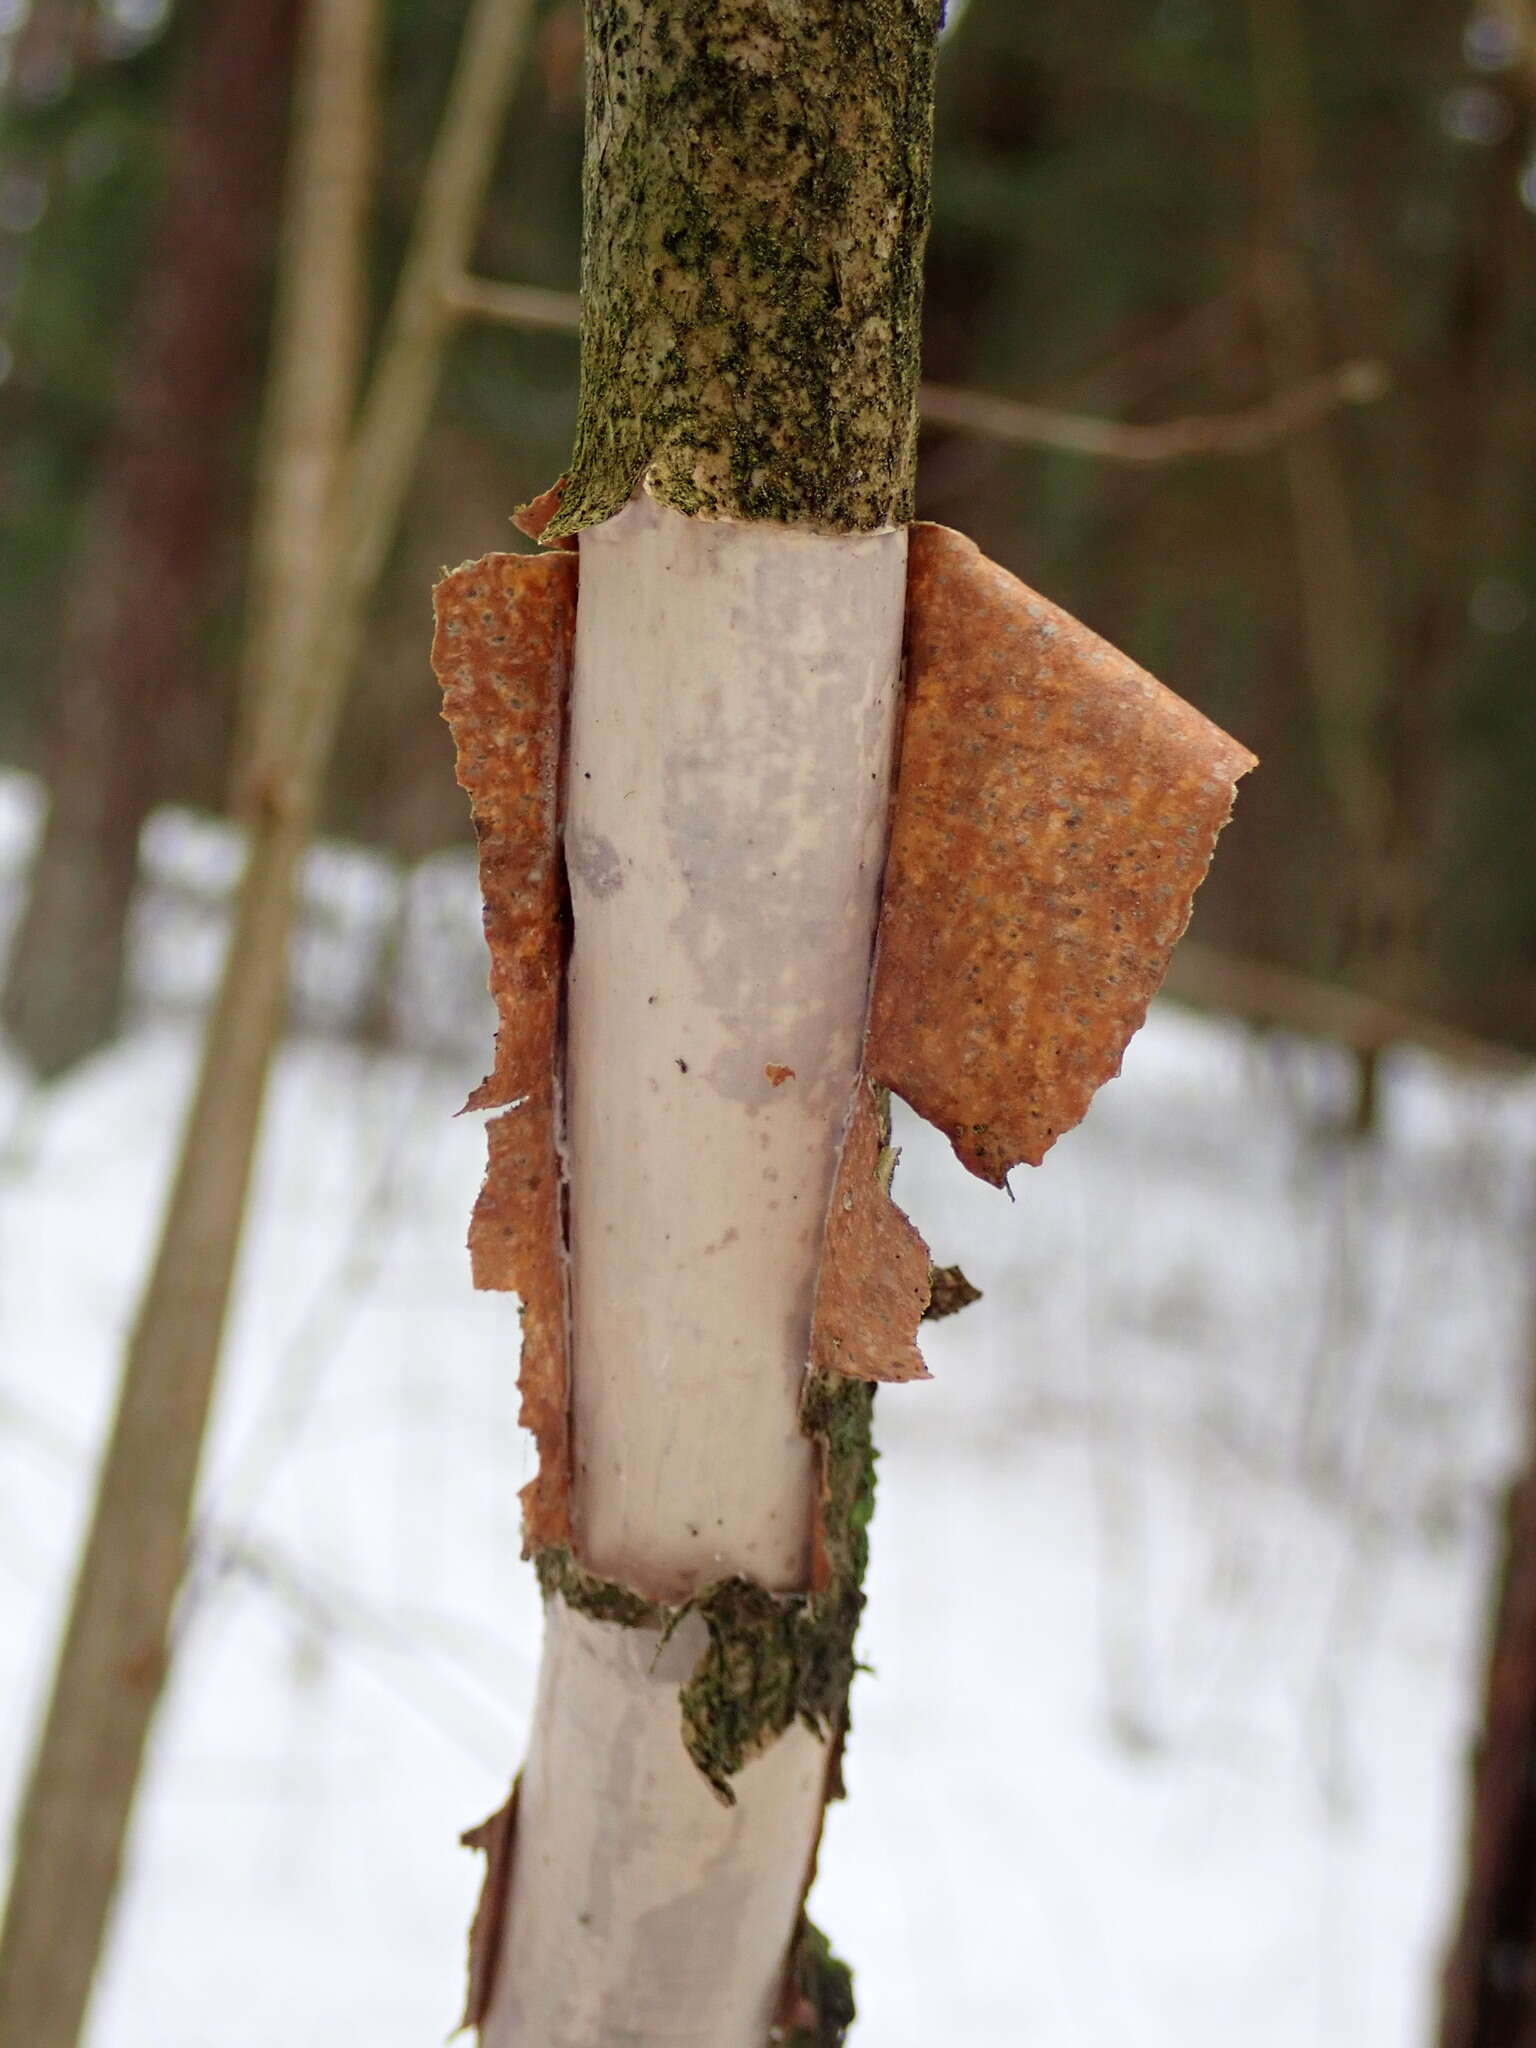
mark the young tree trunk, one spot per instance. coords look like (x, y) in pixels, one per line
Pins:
(113, 1660)
(314, 586)
(138, 580)
(756, 204)
(1488, 1990)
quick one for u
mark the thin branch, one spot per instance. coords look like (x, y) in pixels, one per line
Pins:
(1209, 978)
(1232, 433)
(514, 305)
(399, 399)
(1008, 419)
(382, 456)
(313, 379)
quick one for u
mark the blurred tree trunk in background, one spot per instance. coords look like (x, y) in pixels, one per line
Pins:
(138, 582)
(1488, 1992)
(53, 39)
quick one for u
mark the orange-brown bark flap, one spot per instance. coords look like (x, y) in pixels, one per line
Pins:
(1055, 812)
(873, 1284)
(516, 1244)
(502, 652)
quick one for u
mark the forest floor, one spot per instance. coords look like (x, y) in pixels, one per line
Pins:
(1180, 1564)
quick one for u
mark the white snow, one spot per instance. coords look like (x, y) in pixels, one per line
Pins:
(1179, 1568)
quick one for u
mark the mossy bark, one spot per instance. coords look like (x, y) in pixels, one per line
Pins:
(756, 208)
(768, 1660)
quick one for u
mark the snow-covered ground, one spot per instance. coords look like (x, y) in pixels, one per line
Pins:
(1180, 1562)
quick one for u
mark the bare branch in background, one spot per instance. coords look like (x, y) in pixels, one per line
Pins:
(1232, 433)
(1209, 978)
(1010, 419)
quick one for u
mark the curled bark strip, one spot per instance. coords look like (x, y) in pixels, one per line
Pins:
(1056, 811)
(533, 517)
(493, 1838)
(516, 1246)
(502, 654)
(873, 1286)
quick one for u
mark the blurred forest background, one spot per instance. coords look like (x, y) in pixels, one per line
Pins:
(1144, 209)
(1230, 348)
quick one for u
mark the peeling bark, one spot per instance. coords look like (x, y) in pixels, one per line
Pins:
(493, 1839)
(874, 1288)
(1056, 811)
(1052, 915)
(502, 654)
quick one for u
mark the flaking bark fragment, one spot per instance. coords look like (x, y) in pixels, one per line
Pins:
(517, 1246)
(873, 1287)
(533, 517)
(948, 1292)
(502, 654)
(493, 1839)
(1055, 812)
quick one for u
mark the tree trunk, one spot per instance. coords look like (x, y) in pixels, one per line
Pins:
(138, 582)
(1488, 1991)
(114, 1656)
(756, 205)
(315, 587)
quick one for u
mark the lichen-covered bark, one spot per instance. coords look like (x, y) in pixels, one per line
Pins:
(756, 207)
(818, 2007)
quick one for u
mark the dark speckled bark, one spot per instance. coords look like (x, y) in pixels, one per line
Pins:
(756, 206)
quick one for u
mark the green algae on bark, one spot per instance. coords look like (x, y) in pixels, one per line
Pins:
(819, 2003)
(769, 1659)
(756, 204)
